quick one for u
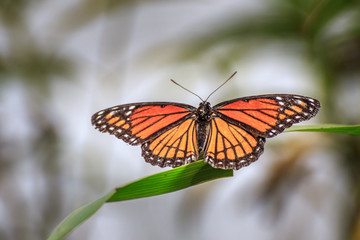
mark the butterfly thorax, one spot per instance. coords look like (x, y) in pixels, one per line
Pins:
(204, 111)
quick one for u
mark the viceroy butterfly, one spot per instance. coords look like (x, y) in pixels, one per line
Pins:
(229, 135)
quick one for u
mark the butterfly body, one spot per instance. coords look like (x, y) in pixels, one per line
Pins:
(229, 135)
(203, 117)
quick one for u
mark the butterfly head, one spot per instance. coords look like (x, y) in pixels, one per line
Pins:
(204, 111)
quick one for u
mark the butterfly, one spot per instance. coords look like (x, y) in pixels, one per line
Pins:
(229, 135)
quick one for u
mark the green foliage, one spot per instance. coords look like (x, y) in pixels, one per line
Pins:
(169, 181)
(77, 217)
(328, 128)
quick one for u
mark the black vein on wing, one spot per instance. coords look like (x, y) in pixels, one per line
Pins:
(239, 143)
(248, 114)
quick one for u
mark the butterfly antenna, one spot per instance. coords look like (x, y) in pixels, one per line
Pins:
(221, 85)
(187, 90)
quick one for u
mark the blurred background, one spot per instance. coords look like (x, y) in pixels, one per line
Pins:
(61, 61)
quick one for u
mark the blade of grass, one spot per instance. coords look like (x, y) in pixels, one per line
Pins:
(330, 128)
(169, 181)
(160, 183)
(77, 217)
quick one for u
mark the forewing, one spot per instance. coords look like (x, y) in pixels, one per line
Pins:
(230, 146)
(175, 147)
(267, 115)
(139, 122)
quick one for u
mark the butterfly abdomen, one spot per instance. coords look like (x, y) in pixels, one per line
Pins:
(202, 130)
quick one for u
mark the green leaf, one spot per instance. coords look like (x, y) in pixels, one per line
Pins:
(160, 183)
(77, 217)
(330, 128)
(169, 181)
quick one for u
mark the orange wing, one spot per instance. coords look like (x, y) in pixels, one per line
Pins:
(267, 115)
(230, 146)
(175, 147)
(140, 122)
